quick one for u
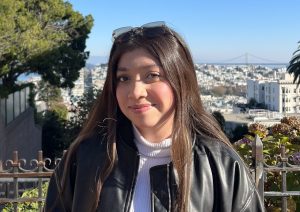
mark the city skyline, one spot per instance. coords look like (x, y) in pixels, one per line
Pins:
(215, 31)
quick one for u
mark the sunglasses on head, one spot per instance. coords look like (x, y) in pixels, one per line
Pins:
(149, 30)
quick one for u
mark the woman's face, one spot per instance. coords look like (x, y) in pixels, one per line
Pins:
(144, 95)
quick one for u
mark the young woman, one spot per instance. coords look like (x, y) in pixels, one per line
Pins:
(148, 144)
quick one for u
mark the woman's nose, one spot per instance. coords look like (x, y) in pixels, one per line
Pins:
(137, 90)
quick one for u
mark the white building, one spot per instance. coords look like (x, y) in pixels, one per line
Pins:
(98, 76)
(256, 90)
(78, 89)
(280, 95)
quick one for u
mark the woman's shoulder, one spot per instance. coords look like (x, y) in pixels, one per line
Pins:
(86, 147)
(94, 139)
(95, 143)
(214, 147)
(84, 154)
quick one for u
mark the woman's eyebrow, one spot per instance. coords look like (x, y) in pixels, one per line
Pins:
(121, 69)
(140, 67)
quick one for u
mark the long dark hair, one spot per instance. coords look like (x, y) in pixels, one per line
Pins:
(190, 117)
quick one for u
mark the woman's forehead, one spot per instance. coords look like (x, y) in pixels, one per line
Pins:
(138, 58)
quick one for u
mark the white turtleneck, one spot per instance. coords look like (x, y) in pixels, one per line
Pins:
(151, 154)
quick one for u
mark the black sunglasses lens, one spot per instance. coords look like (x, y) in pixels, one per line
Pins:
(123, 37)
(148, 32)
(154, 32)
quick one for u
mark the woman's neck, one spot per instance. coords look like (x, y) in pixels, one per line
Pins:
(155, 135)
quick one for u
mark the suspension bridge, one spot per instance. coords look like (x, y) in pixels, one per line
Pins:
(249, 59)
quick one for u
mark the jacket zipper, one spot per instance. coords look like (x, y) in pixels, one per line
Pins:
(129, 199)
(169, 188)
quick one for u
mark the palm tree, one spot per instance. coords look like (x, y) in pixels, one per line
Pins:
(294, 65)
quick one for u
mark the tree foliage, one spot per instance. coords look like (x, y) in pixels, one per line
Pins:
(253, 104)
(51, 95)
(53, 120)
(28, 206)
(44, 37)
(57, 132)
(80, 111)
(224, 90)
(48, 93)
(54, 137)
(294, 65)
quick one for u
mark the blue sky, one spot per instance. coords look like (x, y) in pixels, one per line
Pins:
(215, 30)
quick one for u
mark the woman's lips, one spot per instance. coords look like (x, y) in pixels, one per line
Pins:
(140, 108)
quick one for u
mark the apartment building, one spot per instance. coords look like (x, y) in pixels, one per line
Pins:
(98, 76)
(256, 90)
(78, 89)
(280, 95)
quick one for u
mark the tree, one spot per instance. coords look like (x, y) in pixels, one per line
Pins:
(51, 95)
(53, 120)
(44, 37)
(252, 103)
(57, 132)
(294, 65)
(48, 93)
(54, 139)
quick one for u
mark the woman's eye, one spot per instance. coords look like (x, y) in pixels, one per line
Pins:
(122, 78)
(153, 77)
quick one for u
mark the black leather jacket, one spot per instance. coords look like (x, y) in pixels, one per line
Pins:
(219, 179)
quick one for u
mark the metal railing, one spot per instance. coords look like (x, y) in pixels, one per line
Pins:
(14, 174)
(282, 166)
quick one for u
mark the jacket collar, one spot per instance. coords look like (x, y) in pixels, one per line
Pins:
(125, 131)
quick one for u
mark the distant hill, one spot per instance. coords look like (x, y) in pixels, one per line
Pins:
(96, 60)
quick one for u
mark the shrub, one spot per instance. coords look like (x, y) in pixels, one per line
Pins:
(286, 133)
(28, 206)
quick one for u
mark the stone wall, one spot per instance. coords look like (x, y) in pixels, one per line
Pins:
(23, 135)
